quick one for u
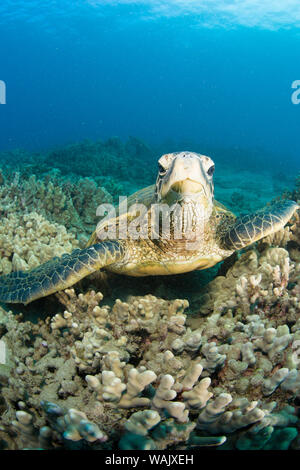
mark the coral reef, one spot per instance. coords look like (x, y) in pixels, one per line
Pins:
(143, 372)
(69, 203)
(254, 279)
(67, 185)
(109, 158)
(28, 240)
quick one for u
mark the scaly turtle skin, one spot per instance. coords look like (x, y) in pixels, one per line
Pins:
(189, 230)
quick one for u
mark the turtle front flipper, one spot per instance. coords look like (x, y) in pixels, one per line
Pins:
(58, 273)
(252, 227)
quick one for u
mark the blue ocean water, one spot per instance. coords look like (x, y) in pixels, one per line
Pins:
(215, 73)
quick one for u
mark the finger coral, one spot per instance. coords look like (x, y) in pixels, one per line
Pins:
(28, 240)
(71, 387)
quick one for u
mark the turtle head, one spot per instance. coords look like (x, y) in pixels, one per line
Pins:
(185, 177)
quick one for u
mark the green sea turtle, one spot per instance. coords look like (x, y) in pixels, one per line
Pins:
(201, 232)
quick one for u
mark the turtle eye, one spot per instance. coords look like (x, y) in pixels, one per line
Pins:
(211, 170)
(162, 170)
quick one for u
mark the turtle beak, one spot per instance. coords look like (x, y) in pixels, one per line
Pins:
(187, 186)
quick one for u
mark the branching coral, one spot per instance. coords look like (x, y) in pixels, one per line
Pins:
(256, 278)
(28, 240)
(67, 202)
(100, 369)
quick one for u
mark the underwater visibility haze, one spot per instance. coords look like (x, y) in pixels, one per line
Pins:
(160, 337)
